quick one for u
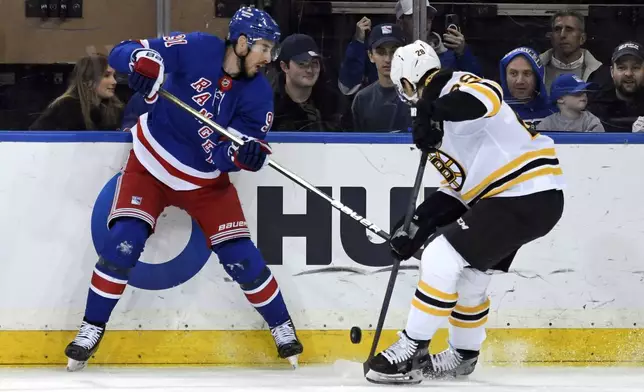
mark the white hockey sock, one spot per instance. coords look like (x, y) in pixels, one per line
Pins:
(468, 319)
(435, 297)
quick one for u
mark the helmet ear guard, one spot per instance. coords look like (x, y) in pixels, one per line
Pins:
(409, 91)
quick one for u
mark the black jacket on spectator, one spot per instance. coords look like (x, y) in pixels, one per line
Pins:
(324, 110)
(616, 115)
(66, 115)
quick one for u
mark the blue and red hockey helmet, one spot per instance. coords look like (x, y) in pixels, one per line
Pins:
(254, 24)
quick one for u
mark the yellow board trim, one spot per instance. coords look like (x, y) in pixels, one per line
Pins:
(508, 167)
(429, 290)
(249, 348)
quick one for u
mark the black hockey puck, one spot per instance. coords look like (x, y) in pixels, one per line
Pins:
(356, 335)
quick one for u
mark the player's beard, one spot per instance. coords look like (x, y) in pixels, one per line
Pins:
(242, 63)
(249, 72)
(242, 67)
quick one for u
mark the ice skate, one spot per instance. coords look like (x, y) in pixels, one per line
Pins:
(81, 349)
(402, 363)
(451, 363)
(288, 346)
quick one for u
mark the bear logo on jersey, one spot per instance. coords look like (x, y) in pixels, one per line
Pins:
(449, 168)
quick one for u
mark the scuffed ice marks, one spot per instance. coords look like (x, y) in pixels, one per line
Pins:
(354, 270)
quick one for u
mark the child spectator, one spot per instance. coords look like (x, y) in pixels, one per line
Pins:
(569, 93)
(89, 102)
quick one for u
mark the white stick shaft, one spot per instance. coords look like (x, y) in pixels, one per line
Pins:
(281, 169)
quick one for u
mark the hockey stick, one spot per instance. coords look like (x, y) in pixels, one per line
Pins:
(396, 265)
(281, 169)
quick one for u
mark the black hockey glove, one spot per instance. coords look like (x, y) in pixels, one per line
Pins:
(404, 245)
(438, 209)
(427, 133)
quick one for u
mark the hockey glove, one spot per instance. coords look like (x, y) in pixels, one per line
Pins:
(251, 156)
(405, 244)
(147, 72)
(439, 209)
(427, 133)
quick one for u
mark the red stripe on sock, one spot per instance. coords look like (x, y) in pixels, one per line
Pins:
(106, 286)
(264, 294)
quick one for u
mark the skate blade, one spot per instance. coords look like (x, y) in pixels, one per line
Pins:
(74, 365)
(293, 360)
(414, 377)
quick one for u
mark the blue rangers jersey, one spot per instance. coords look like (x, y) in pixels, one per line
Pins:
(176, 148)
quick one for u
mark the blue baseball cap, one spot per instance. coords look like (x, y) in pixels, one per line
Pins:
(567, 84)
(383, 33)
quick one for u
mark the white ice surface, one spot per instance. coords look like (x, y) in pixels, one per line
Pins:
(340, 377)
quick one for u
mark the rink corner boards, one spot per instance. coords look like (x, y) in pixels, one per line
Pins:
(511, 346)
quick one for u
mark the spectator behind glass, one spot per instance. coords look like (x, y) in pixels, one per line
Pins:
(89, 102)
(569, 93)
(523, 86)
(302, 100)
(451, 48)
(356, 71)
(620, 105)
(566, 56)
(377, 106)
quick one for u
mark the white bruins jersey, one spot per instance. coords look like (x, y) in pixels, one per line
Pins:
(496, 155)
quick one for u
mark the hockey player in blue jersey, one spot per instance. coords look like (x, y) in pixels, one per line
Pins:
(177, 160)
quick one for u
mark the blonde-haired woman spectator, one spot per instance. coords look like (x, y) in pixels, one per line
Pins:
(89, 102)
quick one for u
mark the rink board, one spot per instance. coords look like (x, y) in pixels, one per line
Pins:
(572, 296)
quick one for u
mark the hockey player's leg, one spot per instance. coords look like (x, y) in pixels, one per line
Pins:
(245, 264)
(488, 237)
(219, 213)
(466, 327)
(121, 250)
(433, 301)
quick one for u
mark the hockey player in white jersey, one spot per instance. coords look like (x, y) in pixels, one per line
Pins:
(502, 189)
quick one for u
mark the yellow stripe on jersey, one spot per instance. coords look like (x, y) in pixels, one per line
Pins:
(507, 168)
(494, 84)
(556, 171)
(430, 77)
(492, 96)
